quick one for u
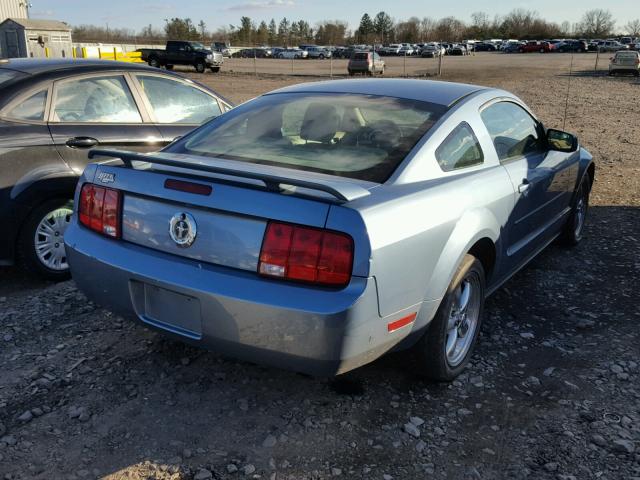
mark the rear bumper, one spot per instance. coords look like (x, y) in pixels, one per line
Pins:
(296, 327)
(624, 68)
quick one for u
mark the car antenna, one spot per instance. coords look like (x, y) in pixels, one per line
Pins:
(566, 102)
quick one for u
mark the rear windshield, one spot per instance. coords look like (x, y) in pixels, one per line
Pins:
(356, 136)
(361, 56)
(7, 75)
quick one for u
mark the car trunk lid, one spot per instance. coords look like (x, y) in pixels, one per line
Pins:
(227, 205)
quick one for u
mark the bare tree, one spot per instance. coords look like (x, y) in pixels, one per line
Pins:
(597, 23)
(427, 27)
(633, 27)
(480, 25)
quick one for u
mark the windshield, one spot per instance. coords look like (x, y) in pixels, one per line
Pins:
(196, 45)
(356, 136)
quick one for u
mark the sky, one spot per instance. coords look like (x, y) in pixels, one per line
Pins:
(216, 13)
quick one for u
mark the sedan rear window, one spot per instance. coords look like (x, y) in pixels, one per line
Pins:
(7, 75)
(361, 56)
(357, 136)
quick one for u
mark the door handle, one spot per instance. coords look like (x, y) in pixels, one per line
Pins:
(82, 142)
(524, 187)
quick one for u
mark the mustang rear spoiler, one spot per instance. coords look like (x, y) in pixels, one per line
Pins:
(343, 191)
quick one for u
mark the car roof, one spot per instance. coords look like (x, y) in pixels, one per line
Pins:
(38, 70)
(442, 93)
(35, 66)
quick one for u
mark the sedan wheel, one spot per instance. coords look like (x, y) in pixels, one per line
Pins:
(41, 244)
(445, 349)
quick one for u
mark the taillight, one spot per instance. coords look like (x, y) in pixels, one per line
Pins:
(306, 254)
(99, 209)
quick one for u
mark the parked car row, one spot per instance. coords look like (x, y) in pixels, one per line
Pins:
(564, 46)
(435, 49)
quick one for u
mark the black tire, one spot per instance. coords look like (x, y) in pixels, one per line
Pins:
(200, 67)
(572, 232)
(382, 72)
(351, 73)
(321, 56)
(431, 348)
(215, 69)
(154, 62)
(169, 67)
(26, 248)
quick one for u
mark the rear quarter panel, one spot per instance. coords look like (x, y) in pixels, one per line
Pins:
(423, 221)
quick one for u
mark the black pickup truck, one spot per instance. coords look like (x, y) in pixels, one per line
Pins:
(183, 53)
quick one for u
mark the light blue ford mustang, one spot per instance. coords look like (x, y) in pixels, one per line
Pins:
(319, 226)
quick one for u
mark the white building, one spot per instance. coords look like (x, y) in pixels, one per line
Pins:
(13, 8)
(24, 37)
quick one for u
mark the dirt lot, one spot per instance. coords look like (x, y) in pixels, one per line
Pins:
(552, 391)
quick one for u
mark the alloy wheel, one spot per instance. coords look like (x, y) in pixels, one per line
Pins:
(463, 319)
(580, 214)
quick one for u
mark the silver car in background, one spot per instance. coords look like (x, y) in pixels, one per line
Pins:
(319, 53)
(625, 61)
(366, 63)
(321, 225)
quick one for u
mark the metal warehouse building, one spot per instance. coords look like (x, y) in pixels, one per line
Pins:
(24, 37)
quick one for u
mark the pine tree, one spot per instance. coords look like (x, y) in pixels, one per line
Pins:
(366, 27)
(273, 32)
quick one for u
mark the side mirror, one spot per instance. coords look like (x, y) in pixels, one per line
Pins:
(561, 141)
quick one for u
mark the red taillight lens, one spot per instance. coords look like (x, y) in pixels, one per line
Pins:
(99, 209)
(306, 254)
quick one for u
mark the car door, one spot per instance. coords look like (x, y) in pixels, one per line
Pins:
(98, 110)
(175, 105)
(539, 177)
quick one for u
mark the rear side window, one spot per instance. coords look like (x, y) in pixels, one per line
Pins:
(96, 100)
(460, 149)
(31, 109)
(177, 102)
(514, 132)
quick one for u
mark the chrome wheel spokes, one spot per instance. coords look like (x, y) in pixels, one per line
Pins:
(463, 319)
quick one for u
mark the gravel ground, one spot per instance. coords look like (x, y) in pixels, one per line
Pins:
(551, 393)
